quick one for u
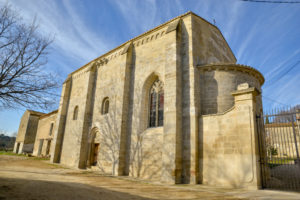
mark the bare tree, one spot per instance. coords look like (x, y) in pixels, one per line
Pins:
(285, 115)
(23, 81)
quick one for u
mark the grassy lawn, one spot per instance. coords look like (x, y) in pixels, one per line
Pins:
(10, 153)
(281, 161)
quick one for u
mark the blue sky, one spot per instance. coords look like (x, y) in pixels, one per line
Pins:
(263, 35)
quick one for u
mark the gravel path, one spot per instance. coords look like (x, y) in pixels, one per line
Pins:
(31, 179)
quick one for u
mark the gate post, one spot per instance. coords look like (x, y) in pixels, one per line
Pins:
(297, 161)
(245, 104)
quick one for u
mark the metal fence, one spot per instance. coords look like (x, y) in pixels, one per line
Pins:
(279, 143)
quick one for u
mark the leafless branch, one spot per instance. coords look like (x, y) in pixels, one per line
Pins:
(23, 80)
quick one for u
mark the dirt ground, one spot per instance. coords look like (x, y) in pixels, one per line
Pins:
(32, 179)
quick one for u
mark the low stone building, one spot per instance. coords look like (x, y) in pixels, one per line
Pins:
(283, 139)
(170, 105)
(44, 134)
(27, 132)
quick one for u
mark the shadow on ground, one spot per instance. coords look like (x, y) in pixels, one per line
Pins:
(11, 188)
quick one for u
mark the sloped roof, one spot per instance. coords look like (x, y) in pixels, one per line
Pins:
(147, 32)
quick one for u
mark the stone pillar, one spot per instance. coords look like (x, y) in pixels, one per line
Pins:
(245, 106)
(20, 148)
(61, 121)
(190, 107)
(87, 119)
(172, 138)
(297, 129)
(15, 147)
(127, 110)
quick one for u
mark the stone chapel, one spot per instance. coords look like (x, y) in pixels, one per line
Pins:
(169, 105)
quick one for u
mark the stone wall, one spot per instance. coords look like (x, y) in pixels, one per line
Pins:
(22, 127)
(44, 135)
(209, 45)
(73, 130)
(149, 62)
(112, 84)
(172, 53)
(217, 81)
(230, 145)
(27, 132)
(280, 136)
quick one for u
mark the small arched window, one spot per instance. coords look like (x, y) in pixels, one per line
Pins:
(75, 114)
(105, 106)
(51, 129)
(156, 105)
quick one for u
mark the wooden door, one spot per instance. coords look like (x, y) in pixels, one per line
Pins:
(95, 155)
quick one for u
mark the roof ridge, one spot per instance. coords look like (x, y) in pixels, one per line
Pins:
(50, 113)
(141, 35)
(236, 65)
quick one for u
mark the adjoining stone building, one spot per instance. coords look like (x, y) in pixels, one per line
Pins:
(170, 104)
(44, 134)
(283, 138)
(27, 132)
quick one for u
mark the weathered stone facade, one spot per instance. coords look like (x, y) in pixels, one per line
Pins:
(44, 136)
(109, 119)
(27, 132)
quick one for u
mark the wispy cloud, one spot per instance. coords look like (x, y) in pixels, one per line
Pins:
(72, 38)
(139, 15)
(276, 70)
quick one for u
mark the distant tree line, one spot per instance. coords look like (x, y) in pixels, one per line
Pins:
(7, 142)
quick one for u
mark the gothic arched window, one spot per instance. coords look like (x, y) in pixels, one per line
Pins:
(156, 105)
(105, 106)
(75, 114)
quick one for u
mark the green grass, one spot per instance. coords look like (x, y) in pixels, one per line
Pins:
(280, 161)
(39, 158)
(10, 153)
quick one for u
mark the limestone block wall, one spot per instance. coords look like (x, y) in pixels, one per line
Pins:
(209, 45)
(146, 154)
(219, 80)
(281, 137)
(124, 79)
(111, 80)
(31, 129)
(230, 153)
(27, 132)
(149, 59)
(73, 130)
(58, 136)
(43, 133)
(22, 127)
(177, 53)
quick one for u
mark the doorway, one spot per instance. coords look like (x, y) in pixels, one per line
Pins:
(18, 146)
(95, 154)
(48, 147)
(40, 147)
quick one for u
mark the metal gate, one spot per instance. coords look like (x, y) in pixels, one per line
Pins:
(279, 143)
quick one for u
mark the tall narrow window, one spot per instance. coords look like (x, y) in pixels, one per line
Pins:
(105, 106)
(51, 129)
(156, 104)
(75, 114)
